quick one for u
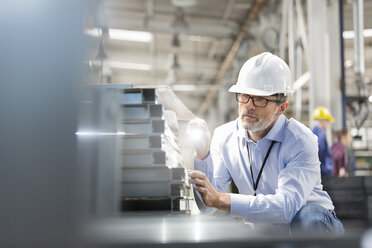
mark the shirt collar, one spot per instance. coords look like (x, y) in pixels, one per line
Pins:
(274, 134)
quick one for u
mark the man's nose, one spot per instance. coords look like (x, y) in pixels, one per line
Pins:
(250, 104)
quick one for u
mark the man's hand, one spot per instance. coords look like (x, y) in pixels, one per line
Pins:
(342, 172)
(211, 197)
(199, 133)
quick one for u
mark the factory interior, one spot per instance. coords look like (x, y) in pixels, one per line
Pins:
(96, 97)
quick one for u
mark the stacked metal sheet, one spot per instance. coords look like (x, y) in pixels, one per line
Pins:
(152, 175)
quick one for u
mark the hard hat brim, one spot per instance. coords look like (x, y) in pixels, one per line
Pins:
(251, 91)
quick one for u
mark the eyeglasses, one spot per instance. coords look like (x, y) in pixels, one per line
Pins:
(256, 100)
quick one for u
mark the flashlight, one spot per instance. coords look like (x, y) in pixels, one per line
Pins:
(197, 133)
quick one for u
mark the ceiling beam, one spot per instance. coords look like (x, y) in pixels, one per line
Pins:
(231, 53)
(163, 25)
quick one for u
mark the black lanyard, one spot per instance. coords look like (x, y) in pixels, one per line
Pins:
(255, 184)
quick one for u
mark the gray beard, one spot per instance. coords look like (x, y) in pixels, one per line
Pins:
(260, 124)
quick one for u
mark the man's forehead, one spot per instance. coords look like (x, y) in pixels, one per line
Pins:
(256, 95)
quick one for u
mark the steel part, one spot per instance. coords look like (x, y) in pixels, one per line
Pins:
(146, 174)
(143, 111)
(143, 157)
(179, 173)
(149, 126)
(141, 189)
(177, 189)
(139, 96)
(146, 204)
(150, 165)
(138, 142)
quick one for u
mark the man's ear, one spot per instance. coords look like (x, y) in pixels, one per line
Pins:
(282, 107)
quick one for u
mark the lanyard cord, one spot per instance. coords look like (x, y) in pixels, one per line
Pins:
(255, 184)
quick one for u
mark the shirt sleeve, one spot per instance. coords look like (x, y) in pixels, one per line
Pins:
(295, 184)
(215, 169)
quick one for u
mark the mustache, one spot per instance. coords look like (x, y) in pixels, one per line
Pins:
(249, 112)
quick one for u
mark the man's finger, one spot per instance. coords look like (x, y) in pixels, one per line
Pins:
(199, 182)
(202, 190)
(197, 174)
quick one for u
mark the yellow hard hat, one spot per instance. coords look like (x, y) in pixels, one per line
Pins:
(322, 113)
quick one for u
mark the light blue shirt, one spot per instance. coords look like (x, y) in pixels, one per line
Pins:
(290, 179)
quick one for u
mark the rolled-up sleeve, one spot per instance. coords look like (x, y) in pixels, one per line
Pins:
(215, 169)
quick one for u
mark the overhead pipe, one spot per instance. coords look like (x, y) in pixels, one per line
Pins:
(358, 26)
(342, 55)
(359, 104)
(231, 54)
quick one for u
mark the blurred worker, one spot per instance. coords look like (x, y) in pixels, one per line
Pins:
(343, 155)
(325, 119)
(272, 160)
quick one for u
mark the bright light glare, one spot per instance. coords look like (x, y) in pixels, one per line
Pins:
(122, 34)
(95, 32)
(350, 34)
(354, 132)
(197, 230)
(370, 98)
(123, 65)
(128, 65)
(163, 231)
(97, 133)
(348, 63)
(197, 134)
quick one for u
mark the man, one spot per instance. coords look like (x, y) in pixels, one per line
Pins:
(343, 156)
(272, 160)
(324, 118)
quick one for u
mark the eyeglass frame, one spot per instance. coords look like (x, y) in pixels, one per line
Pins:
(253, 97)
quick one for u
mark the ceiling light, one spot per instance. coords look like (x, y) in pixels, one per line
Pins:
(128, 65)
(122, 34)
(123, 65)
(97, 133)
(95, 32)
(183, 3)
(350, 34)
(348, 63)
(184, 87)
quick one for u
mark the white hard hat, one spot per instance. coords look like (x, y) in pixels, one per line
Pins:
(263, 75)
